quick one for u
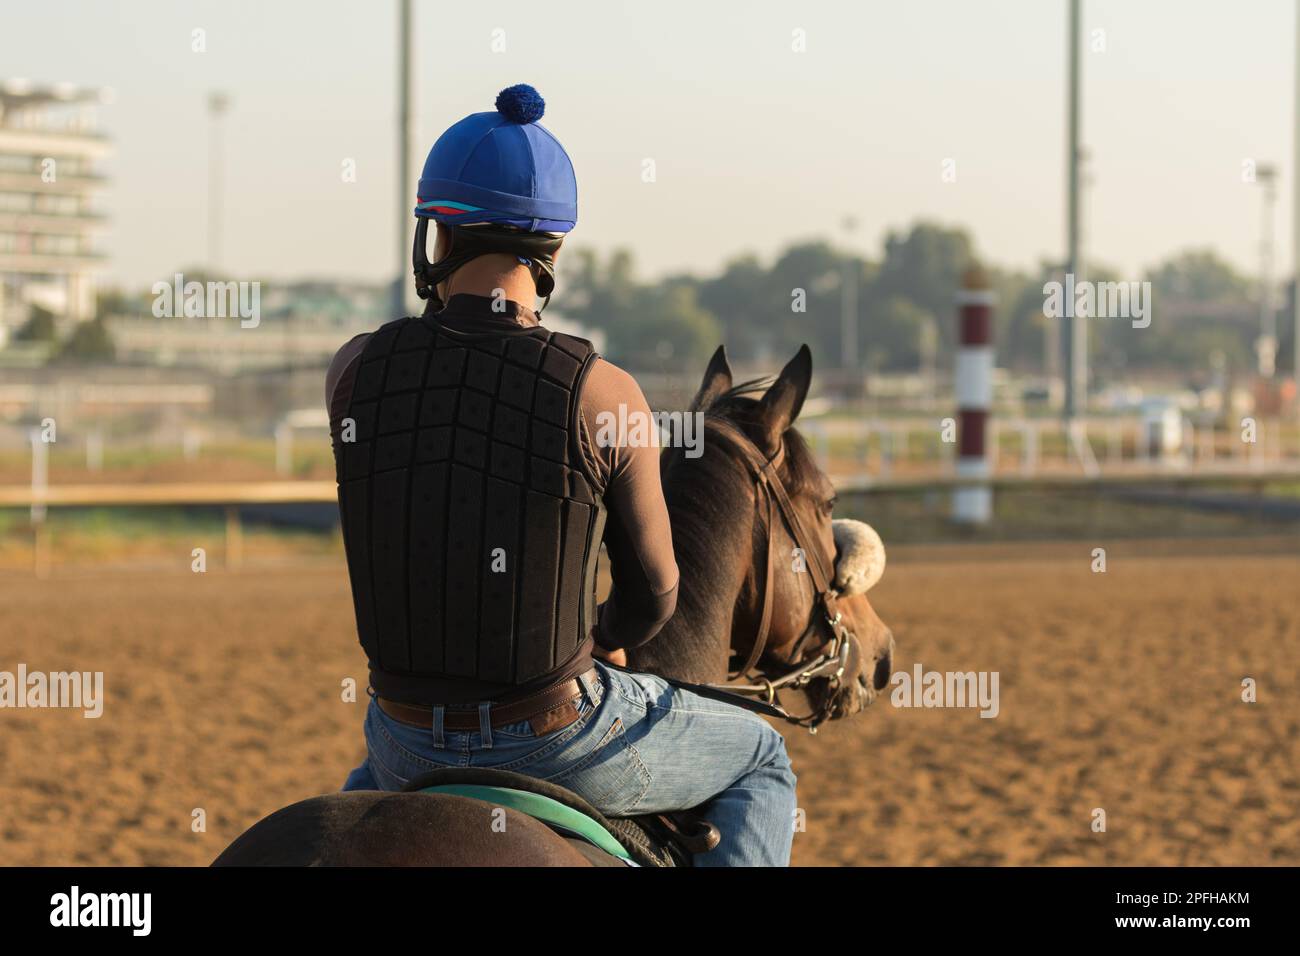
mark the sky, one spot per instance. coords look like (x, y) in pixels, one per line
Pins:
(755, 144)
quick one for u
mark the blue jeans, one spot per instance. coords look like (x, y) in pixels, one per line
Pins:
(639, 745)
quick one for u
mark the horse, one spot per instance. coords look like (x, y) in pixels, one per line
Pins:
(763, 603)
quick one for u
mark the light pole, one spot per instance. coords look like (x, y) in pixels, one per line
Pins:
(849, 303)
(218, 104)
(1075, 332)
(1295, 219)
(1266, 344)
(1074, 366)
(405, 46)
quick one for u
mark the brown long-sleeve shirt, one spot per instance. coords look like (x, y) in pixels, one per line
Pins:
(638, 538)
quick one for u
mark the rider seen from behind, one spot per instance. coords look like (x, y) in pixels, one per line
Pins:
(475, 490)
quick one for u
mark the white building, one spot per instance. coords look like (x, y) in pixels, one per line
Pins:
(48, 155)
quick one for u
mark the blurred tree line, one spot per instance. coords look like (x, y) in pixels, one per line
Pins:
(1200, 305)
(86, 342)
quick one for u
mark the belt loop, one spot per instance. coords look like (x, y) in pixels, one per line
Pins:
(439, 741)
(485, 723)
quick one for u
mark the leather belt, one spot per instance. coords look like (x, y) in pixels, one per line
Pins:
(547, 710)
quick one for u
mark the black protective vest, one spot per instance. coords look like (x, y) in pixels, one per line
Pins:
(470, 520)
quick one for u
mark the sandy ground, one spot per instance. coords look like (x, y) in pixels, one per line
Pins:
(1118, 691)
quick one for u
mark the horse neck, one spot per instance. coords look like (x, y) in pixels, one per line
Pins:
(711, 510)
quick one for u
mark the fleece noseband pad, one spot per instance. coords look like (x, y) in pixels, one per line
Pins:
(859, 556)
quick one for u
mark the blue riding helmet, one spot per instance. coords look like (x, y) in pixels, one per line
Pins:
(502, 183)
(501, 167)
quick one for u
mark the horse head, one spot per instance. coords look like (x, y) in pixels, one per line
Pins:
(802, 619)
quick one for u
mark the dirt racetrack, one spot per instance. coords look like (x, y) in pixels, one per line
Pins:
(1119, 691)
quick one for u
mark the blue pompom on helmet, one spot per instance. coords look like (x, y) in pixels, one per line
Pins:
(501, 167)
(500, 183)
(520, 104)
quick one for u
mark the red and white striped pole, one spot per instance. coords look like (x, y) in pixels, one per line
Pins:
(973, 384)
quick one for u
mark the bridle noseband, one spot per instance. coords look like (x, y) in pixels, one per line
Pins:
(826, 618)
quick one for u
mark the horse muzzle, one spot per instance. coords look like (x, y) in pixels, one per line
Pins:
(866, 682)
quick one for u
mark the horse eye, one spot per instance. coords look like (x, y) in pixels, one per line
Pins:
(830, 503)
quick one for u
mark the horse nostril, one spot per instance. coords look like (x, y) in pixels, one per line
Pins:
(884, 667)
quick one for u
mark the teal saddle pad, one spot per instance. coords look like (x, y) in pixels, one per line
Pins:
(551, 812)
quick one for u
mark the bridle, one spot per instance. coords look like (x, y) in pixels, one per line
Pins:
(826, 619)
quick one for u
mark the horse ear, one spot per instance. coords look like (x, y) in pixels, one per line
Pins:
(784, 400)
(717, 380)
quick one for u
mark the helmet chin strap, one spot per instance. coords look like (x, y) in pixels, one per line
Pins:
(537, 249)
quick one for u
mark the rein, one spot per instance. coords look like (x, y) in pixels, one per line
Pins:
(828, 665)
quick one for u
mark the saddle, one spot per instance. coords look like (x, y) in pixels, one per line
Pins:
(652, 840)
